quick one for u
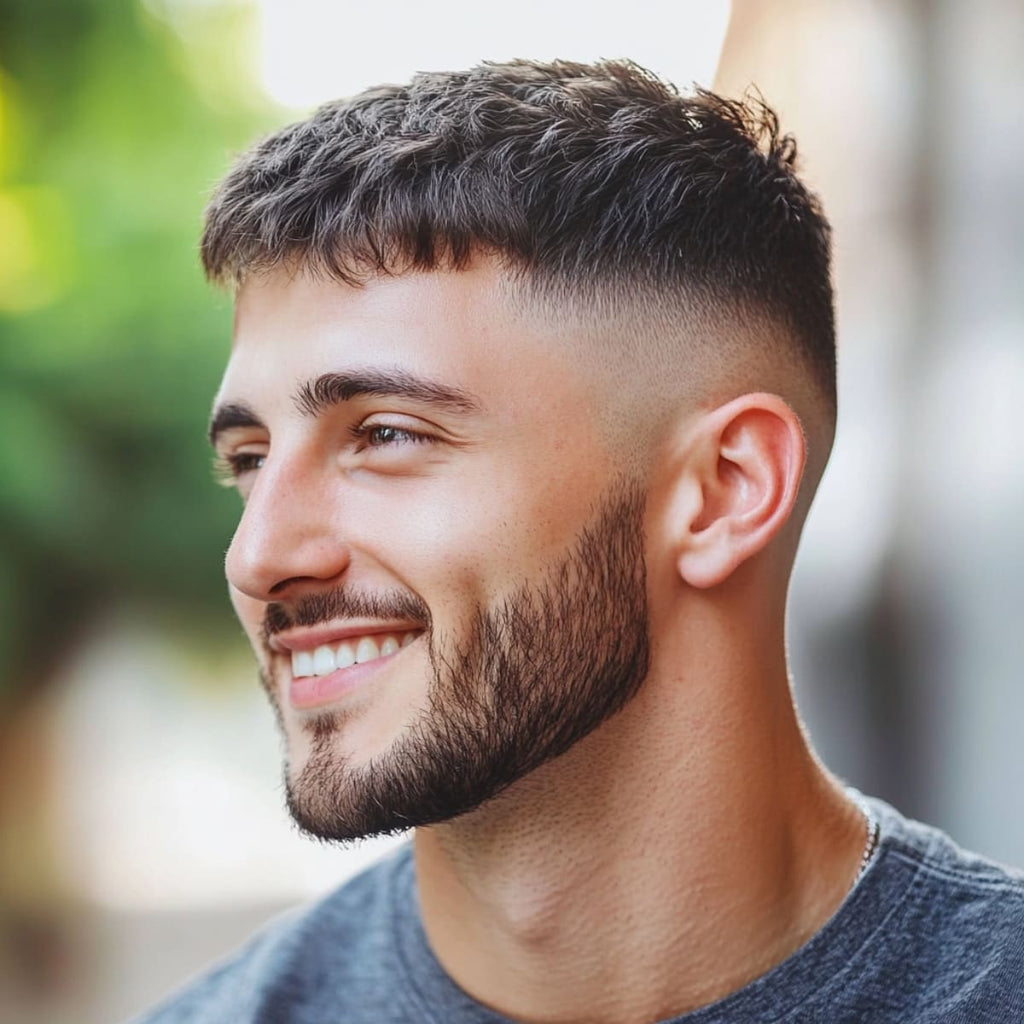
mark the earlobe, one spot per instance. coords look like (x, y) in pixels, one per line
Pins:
(737, 487)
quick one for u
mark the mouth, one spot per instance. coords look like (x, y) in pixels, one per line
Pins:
(329, 672)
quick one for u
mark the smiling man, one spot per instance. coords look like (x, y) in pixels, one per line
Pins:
(531, 387)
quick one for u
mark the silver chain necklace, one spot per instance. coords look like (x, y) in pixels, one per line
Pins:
(869, 847)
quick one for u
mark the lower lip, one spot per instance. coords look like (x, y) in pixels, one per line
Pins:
(317, 691)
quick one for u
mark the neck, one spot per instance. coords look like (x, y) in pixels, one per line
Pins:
(685, 847)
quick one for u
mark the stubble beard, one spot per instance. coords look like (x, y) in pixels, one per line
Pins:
(532, 676)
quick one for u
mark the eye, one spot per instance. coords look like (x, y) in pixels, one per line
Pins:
(229, 469)
(387, 435)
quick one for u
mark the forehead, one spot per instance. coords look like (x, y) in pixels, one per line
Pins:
(459, 327)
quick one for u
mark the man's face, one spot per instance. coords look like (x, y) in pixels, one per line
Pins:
(438, 564)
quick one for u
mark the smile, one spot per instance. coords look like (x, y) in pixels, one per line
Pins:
(328, 658)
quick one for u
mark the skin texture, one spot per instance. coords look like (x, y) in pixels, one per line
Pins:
(690, 841)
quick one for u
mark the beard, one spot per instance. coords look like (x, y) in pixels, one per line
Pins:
(531, 676)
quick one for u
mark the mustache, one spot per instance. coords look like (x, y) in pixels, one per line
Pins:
(343, 603)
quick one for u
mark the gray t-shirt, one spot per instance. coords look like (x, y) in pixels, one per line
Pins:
(929, 934)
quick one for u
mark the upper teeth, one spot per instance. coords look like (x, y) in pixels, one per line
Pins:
(354, 651)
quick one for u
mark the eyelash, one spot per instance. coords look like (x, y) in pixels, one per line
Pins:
(365, 431)
(227, 469)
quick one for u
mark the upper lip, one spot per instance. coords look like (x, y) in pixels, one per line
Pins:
(306, 639)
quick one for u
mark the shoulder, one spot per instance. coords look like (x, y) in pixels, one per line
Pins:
(953, 918)
(944, 867)
(341, 943)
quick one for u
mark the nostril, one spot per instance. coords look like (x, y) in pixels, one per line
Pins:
(278, 588)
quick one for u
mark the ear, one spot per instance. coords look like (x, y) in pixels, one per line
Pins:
(738, 485)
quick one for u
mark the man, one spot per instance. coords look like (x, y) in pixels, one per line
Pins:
(532, 383)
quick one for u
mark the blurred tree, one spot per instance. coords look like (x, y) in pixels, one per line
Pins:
(115, 120)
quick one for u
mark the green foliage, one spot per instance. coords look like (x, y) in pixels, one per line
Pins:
(111, 344)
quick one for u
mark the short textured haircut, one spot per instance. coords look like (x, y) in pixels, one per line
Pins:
(594, 184)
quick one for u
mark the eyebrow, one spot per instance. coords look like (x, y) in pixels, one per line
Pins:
(234, 414)
(329, 389)
(333, 388)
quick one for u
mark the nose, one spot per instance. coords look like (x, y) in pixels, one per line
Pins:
(288, 536)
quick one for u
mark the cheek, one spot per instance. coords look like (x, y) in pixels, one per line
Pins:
(435, 539)
(471, 538)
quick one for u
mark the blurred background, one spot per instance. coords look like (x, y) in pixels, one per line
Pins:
(141, 822)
